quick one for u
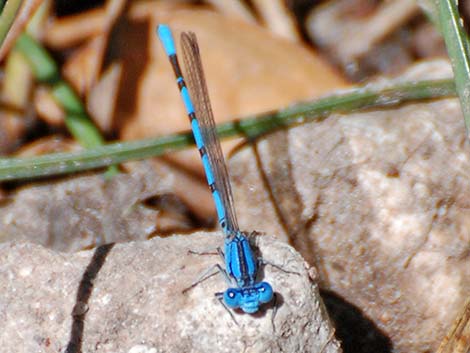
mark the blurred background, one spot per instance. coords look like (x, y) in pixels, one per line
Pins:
(78, 74)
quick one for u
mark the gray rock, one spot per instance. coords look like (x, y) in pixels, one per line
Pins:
(128, 298)
(79, 212)
(379, 202)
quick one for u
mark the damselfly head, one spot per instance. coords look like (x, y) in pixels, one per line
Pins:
(249, 299)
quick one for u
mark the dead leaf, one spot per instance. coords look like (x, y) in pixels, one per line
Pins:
(50, 144)
(248, 71)
(72, 30)
(46, 106)
(278, 18)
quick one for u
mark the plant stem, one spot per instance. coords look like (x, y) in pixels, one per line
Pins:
(101, 156)
(7, 17)
(457, 47)
(45, 69)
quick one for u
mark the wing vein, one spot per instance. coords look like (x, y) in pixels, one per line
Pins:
(199, 93)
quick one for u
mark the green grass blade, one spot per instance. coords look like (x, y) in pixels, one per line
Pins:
(355, 99)
(81, 127)
(457, 47)
(101, 156)
(42, 65)
(79, 124)
(63, 93)
(46, 70)
(7, 17)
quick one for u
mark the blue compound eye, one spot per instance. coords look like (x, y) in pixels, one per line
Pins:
(232, 298)
(265, 292)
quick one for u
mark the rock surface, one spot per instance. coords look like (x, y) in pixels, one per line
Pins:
(379, 202)
(128, 298)
(78, 212)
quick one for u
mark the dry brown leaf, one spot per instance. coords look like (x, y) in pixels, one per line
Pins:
(332, 27)
(102, 97)
(234, 9)
(50, 144)
(277, 18)
(83, 67)
(12, 128)
(72, 30)
(17, 82)
(46, 106)
(248, 71)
